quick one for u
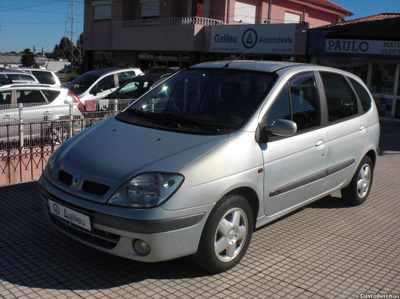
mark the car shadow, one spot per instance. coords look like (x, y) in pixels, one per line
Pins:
(34, 254)
(329, 202)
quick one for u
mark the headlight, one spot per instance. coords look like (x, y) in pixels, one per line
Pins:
(147, 190)
(48, 170)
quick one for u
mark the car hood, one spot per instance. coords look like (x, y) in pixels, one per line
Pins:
(112, 152)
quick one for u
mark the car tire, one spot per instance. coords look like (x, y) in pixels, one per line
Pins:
(360, 186)
(226, 235)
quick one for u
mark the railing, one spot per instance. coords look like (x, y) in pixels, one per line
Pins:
(23, 159)
(168, 22)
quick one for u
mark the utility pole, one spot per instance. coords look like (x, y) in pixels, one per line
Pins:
(72, 32)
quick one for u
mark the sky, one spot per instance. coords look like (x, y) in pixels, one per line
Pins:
(25, 23)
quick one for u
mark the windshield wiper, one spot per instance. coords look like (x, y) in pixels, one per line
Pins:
(152, 117)
(188, 122)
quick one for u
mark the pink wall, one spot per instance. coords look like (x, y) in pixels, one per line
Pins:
(319, 18)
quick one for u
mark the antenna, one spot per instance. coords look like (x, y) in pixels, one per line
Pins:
(72, 32)
(227, 65)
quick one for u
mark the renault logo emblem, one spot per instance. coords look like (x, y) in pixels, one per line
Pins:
(76, 181)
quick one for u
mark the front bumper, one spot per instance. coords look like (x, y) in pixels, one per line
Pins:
(168, 238)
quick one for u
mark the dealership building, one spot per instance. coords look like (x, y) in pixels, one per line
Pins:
(368, 47)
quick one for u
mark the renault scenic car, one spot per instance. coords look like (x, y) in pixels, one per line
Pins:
(209, 155)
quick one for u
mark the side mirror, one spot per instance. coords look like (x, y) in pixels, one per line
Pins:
(282, 127)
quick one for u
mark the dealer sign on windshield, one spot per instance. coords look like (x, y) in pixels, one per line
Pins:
(70, 215)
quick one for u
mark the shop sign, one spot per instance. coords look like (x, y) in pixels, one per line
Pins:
(266, 39)
(370, 47)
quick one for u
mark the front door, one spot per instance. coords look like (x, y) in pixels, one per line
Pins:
(295, 166)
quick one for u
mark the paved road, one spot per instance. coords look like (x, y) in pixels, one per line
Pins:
(325, 250)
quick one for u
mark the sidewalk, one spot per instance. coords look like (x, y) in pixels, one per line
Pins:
(325, 250)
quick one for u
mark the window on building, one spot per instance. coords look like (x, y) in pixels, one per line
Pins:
(245, 13)
(150, 8)
(292, 17)
(102, 10)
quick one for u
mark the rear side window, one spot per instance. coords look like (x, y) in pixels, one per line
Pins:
(30, 97)
(20, 77)
(125, 76)
(340, 98)
(51, 95)
(362, 95)
(44, 77)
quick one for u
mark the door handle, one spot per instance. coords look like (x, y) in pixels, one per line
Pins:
(363, 129)
(320, 144)
(46, 113)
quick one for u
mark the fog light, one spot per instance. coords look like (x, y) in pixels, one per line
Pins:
(141, 247)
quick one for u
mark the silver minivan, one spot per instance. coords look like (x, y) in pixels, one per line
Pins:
(214, 152)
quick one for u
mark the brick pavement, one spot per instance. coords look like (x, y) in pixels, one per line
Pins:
(325, 250)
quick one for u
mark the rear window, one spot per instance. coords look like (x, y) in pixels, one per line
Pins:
(44, 77)
(21, 77)
(362, 95)
(51, 95)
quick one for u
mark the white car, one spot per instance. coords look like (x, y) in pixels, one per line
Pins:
(40, 103)
(43, 76)
(98, 84)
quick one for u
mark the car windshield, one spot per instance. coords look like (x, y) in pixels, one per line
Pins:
(82, 83)
(201, 101)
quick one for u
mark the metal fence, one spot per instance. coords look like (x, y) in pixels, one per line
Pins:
(24, 157)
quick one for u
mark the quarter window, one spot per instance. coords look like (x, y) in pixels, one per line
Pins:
(341, 101)
(363, 95)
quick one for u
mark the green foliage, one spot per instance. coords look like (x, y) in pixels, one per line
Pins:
(28, 58)
(102, 59)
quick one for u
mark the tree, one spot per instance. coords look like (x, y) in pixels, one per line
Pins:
(28, 58)
(64, 48)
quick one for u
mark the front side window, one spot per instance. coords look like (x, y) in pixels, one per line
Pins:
(104, 84)
(30, 97)
(341, 101)
(201, 101)
(298, 101)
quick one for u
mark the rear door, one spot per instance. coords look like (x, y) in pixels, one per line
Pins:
(294, 166)
(346, 131)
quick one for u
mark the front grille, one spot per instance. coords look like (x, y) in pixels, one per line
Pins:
(95, 188)
(96, 237)
(87, 186)
(65, 177)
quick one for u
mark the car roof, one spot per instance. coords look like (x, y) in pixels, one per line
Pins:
(148, 77)
(250, 65)
(101, 72)
(37, 85)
